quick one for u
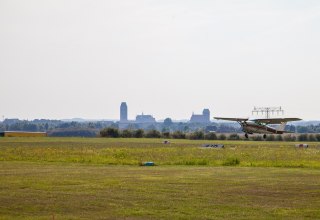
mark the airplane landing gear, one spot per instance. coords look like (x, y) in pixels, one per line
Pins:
(246, 135)
(264, 136)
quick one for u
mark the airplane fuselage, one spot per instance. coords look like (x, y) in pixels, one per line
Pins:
(250, 127)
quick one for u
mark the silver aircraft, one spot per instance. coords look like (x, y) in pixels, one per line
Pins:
(260, 126)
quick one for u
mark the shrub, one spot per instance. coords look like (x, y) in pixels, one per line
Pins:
(138, 133)
(153, 134)
(318, 137)
(222, 137)
(165, 134)
(210, 136)
(279, 137)
(257, 138)
(312, 137)
(303, 137)
(289, 137)
(178, 135)
(270, 137)
(109, 132)
(126, 133)
(197, 135)
(234, 137)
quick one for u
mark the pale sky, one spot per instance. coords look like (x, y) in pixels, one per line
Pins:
(169, 58)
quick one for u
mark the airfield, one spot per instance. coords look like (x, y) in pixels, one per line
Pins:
(102, 178)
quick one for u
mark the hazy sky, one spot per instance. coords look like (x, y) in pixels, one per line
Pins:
(169, 58)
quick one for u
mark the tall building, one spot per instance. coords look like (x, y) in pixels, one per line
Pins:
(204, 118)
(123, 112)
(206, 114)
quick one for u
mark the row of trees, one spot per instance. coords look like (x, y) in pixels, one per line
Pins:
(167, 126)
(200, 135)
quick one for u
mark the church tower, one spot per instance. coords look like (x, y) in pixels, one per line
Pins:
(123, 112)
(206, 115)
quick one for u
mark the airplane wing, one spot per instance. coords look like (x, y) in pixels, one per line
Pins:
(275, 120)
(232, 119)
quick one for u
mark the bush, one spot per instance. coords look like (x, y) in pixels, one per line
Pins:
(289, 137)
(312, 137)
(210, 136)
(222, 137)
(234, 137)
(197, 135)
(318, 137)
(303, 137)
(270, 137)
(166, 134)
(138, 133)
(178, 135)
(109, 132)
(153, 134)
(126, 133)
(257, 138)
(279, 137)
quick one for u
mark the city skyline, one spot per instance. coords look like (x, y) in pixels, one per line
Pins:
(256, 112)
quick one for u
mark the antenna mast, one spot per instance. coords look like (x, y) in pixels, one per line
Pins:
(267, 111)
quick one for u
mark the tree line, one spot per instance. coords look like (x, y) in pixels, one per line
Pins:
(168, 128)
(200, 135)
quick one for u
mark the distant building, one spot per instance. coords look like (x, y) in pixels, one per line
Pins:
(123, 112)
(204, 118)
(145, 119)
(142, 121)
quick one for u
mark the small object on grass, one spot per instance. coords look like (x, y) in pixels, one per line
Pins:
(149, 163)
(166, 142)
(302, 145)
(213, 145)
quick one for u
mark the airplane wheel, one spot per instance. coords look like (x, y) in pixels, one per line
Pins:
(246, 135)
(264, 136)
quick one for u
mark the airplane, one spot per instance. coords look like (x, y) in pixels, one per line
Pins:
(260, 126)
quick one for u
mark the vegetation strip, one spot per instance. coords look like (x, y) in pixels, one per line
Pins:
(122, 151)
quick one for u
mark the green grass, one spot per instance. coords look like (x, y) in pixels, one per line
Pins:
(95, 178)
(179, 152)
(77, 191)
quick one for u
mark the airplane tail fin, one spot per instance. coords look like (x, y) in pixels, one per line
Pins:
(282, 126)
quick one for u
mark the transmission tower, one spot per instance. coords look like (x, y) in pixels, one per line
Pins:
(267, 111)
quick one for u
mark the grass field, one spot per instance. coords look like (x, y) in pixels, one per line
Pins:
(96, 178)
